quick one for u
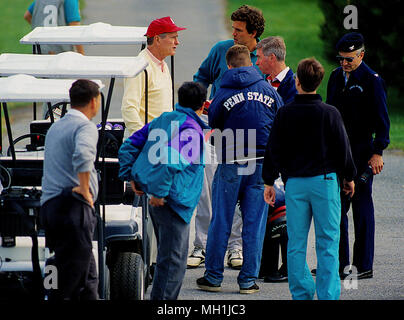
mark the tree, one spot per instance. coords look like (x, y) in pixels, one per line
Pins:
(382, 25)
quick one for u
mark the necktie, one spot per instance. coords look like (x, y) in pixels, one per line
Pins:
(275, 83)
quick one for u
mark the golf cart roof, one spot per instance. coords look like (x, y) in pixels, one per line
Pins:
(26, 88)
(96, 33)
(71, 65)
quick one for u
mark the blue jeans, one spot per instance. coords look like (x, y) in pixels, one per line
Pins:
(228, 188)
(318, 198)
(172, 235)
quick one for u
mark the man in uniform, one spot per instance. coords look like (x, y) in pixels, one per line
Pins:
(359, 93)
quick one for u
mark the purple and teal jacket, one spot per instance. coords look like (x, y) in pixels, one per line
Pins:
(165, 158)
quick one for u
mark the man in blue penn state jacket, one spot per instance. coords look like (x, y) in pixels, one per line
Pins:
(359, 94)
(248, 24)
(241, 114)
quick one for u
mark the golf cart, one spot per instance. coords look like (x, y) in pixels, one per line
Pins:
(122, 246)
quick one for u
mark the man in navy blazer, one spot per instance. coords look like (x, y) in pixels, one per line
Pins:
(271, 53)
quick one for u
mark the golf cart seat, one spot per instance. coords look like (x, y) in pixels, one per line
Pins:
(121, 228)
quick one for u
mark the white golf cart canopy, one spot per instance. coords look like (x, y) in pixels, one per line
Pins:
(96, 33)
(71, 65)
(26, 88)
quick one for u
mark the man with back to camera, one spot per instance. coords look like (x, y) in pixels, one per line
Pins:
(271, 54)
(309, 146)
(69, 189)
(172, 178)
(359, 93)
(248, 24)
(162, 41)
(53, 13)
(245, 102)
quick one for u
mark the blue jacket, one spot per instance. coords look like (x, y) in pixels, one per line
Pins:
(244, 101)
(362, 102)
(214, 66)
(287, 88)
(165, 158)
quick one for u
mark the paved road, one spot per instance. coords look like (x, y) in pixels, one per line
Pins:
(206, 25)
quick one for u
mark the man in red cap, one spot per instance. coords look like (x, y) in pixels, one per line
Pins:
(162, 41)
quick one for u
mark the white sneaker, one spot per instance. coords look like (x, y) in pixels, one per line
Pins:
(196, 258)
(235, 259)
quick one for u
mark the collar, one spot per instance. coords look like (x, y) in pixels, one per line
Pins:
(357, 73)
(191, 113)
(253, 53)
(160, 63)
(307, 97)
(77, 113)
(281, 75)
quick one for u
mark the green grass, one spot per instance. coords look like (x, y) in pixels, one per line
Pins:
(13, 26)
(299, 23)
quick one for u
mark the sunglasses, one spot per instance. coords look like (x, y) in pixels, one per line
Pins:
(348, 59)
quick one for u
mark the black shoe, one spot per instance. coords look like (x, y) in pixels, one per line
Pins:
(207, 286)
(254, 288)
(342, 275)
(276, 277)
(365, 275)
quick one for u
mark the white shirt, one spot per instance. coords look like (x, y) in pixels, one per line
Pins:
(281, 75)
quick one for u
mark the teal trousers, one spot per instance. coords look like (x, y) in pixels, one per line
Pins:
(318, 198)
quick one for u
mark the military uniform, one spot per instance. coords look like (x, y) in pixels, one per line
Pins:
(361, 100)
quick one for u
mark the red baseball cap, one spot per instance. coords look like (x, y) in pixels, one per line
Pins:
(162, 25)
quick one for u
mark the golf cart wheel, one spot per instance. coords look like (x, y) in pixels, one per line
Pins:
(127, 277)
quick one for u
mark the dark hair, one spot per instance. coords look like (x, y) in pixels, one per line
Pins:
(192, 95)
(82, 91)
(310, 73)
(252, 17)
(238, 56)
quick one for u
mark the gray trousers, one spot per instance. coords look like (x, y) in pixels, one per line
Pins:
(204, 208)
(172, 235)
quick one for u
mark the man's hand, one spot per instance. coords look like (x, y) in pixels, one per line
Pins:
(349, 188)
(84, 187)
(269, 195)
(137, 191)
(156, 202)
(376, 162)
(85, 192)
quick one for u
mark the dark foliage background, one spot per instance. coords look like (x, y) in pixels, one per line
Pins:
(382, 24)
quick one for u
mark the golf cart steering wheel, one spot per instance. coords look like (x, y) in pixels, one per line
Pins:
(28, 147)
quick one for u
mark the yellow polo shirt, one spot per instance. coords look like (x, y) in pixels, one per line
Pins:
(160, 93)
